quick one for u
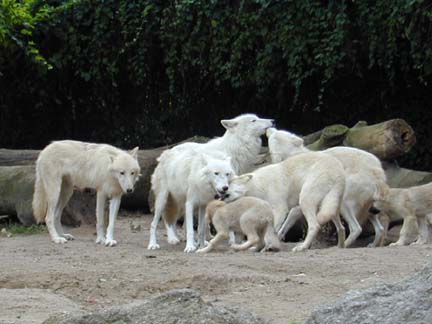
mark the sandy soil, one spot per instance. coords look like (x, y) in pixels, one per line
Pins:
(39, 278)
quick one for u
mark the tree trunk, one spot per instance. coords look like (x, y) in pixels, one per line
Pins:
(387, 140)
(17, 177)
(16, 194)
(403, 178)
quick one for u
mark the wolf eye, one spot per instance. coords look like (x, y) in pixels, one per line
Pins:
(253, 120)
(132, 173)
(122, 172)
(228, 174)
(216, 173)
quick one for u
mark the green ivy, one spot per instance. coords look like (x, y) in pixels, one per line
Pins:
(135, 70)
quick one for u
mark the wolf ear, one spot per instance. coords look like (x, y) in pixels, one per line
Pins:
(205, 157)
(229, 123)
(134, 152)
(243, 179)
(270, 131)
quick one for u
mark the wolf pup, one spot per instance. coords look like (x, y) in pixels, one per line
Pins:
(248, 215)
(63, 165)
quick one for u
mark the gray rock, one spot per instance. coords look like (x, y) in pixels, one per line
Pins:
(179, 306)
(32, 306)
(407, 302)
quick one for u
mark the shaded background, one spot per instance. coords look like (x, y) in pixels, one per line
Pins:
(150, 73)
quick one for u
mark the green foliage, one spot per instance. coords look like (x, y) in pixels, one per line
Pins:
(137, 69)
(17, 26)
(18, 229)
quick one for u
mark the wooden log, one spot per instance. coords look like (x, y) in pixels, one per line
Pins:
(18, 157)
(387, 140)
(403, 178)
(17, 170)
(16, 194)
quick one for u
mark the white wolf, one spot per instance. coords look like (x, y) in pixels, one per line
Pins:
(365, 179)
(315, 181)
(248, 215)
(414, 206)
(187, 178)
(63, 165)
(241, 142)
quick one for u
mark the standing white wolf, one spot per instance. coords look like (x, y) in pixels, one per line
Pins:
(365, 179)
(250, 216)
(63, 165)
(187, 178)
(315, 181)
(183, 175)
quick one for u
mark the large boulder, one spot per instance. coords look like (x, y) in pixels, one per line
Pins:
(179, 306)
(408, 302)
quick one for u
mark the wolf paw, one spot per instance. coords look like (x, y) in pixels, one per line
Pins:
(68, 237)
(100, 240)
(418, 242)
(299, 248)
(173, 240)
(190, 248)
(153, 246)
(397, 244)
(59, 240)
(110, 242)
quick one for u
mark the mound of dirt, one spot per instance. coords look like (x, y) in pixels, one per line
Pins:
(32, 306)
(407, 302)
(179, 306)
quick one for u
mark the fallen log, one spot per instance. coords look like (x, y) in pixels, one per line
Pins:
(387, 140)
(16, 194)
(17, 176)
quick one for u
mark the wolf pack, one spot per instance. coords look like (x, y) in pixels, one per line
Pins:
(225, 182)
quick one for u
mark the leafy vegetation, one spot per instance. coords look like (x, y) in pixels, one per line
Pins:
(151, 72)
(19, 229)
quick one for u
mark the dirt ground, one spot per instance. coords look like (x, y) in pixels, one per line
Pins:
(39, 278)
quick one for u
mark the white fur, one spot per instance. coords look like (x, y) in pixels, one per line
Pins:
(315, 181)
(250, 216)
(412, 205)
(365, 178)
(187, 178)
(241, 142)
(63, 165)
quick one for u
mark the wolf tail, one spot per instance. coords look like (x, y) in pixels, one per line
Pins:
(171, 210)
(39, 203)
(270, 239)
(330, 204)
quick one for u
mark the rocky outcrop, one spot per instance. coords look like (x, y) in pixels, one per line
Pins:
(179, 306)
(407, 302)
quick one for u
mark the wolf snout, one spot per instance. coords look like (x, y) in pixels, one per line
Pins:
(273, 123)
(129, 190)
(225, 188)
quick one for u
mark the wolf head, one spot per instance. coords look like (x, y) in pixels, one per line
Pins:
(237, 188)
(282, 144)
(126, 169)
(218, 172)
(247, 125)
